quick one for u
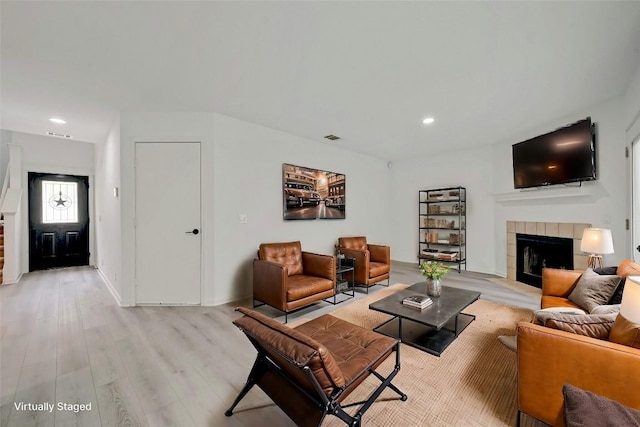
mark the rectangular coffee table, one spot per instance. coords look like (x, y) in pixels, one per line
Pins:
(433, 328)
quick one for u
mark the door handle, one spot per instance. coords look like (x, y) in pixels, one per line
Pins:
(194, 231)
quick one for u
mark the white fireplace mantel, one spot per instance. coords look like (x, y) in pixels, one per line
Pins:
(585, 192)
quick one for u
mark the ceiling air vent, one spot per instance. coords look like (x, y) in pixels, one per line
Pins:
(332, 137)
(60, 135)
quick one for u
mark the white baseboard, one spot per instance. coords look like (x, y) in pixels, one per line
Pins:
(6, 281)
(113, 290)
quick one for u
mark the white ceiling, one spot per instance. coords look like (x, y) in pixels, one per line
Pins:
(366, 71)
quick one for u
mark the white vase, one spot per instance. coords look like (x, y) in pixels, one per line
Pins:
(434, 289)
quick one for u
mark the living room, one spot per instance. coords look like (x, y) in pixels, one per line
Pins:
(241, 173)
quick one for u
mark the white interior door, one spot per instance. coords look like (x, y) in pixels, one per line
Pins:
(168, 241)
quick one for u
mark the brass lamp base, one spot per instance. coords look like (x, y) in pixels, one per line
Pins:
(595, 261)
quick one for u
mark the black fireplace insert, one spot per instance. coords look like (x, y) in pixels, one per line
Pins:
(533, 253)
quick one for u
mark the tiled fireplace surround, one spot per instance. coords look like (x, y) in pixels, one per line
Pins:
(550, 229)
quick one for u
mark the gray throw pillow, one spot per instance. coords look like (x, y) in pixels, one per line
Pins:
(583, 408)
(593, 289)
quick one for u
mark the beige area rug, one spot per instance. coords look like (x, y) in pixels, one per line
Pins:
(473, 383)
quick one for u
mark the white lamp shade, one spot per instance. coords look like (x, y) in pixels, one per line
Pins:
(630, 308)
(597, 241)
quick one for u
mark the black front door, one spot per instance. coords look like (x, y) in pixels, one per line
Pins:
(58, 221)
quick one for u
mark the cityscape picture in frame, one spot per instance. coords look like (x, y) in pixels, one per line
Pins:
(312, 193)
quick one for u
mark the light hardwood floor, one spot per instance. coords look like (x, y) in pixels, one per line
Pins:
(64, 339)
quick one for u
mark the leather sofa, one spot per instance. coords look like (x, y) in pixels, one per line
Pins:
(549, 358)
(287, 278)
(557, 284)
(372, 262)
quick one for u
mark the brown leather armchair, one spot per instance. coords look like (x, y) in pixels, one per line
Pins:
(373, 262)
(308, 371)
(287, 278)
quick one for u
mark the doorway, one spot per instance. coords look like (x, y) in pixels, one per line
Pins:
(168, 213)
(58, 220)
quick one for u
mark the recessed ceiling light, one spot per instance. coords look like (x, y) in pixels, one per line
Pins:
(56, 120)
(428, 120)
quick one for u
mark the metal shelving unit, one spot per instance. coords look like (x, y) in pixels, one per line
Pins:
(442, 233)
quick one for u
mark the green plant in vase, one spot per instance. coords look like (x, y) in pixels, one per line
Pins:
(434, 271)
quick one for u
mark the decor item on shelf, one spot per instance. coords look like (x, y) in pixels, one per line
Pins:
(431, 237)
(447, 255)
(596, 241)
(434, 272)
(456, 239)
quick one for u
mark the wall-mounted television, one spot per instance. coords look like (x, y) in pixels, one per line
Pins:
(563, 156)
(312, 193)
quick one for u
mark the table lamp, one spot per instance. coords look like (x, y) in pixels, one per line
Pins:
(630, 307)
(596, 241)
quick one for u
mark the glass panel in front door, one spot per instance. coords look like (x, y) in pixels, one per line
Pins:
(59, 202)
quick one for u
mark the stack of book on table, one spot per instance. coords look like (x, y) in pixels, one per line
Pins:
(417, 301)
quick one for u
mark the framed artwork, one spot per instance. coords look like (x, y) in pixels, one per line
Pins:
(312, 193)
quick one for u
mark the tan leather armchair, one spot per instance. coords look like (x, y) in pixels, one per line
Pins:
(287, 278)
(373, 262)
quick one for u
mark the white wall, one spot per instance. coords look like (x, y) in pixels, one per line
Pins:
(107, 218)
(45, 153)
(242, 173)
(472, 169)
(487, 174)
(248, 179)
(632, 108)
(5, 140)
(54, 155)
(602, 203)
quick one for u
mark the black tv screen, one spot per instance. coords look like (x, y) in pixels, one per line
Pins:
(565, 155)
